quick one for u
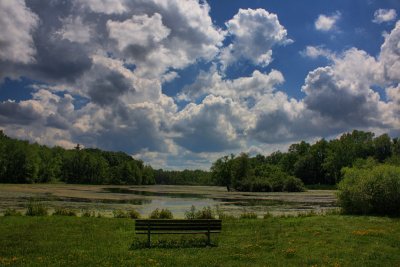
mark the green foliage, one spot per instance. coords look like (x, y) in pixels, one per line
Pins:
(248, 215)
(161, 214)
(133, 214)
(22, 162)
(320, 163)
(35, 208)
(12, 212)
(253, 174)
(267, 215)
(205, 213)
(185, 177)
(88, 213)
(372, 190)
(64, 212)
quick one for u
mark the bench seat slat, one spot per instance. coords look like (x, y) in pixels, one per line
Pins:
(181, 223)
(180, 232)
(177, 222)
(177, 228)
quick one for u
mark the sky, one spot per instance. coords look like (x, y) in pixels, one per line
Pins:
(180, 83)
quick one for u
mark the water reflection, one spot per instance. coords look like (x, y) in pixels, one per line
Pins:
(119, 190)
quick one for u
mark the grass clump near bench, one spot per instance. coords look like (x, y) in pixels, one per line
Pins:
(181, 226)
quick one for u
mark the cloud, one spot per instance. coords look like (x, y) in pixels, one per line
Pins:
(254, 33)
(17, 22)
(342, 92)
(101, 69)
(75, 30)
(105, 6)
(390, 55)
(214, 125)
(327, 23)
(384, 15)
(139, 31)
(22, 113)
(317, 51)
(246, 89)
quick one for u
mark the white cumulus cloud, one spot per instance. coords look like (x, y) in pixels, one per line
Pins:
(384, 15)
(254, 33)
(327, 23)
(17, 22)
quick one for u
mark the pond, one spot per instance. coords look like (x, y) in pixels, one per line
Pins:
(178, 199)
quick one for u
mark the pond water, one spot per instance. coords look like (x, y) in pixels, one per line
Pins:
(178, 199)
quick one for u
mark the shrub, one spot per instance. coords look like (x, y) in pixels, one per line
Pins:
(293, 184)
(133, 214)
(370, 191)
(12, 212)
(161, 214)
(205, 213)
(120, 214)
(64, 212)
(248, 215)
(191, 214)
(88, 213)
(267, 215)
(36, 209)
(224, 216)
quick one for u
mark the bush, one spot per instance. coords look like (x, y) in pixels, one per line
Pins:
(64, 212)
(88, 213)
(12, 212)
(293, 184)
(205, 213)
(248, 215)
(161, 214)
(370, 191)
(36, 209)
(119, 214)
(133, 214)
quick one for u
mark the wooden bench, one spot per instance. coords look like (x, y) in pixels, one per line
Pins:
(158, 226)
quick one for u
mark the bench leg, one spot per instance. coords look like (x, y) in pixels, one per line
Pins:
(148, 239)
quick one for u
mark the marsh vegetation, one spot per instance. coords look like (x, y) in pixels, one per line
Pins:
(178, 199)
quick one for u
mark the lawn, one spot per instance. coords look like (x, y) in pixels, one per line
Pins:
(331, 240)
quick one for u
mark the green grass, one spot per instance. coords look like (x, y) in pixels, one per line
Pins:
(332, 240)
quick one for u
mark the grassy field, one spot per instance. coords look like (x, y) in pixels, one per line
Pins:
(331, 240)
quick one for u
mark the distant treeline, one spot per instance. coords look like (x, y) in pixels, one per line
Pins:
(22, 162)
(303, 163)
(185, 177)
(320, 163)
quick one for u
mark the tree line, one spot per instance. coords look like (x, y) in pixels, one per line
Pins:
(303, 163)
(22, 162)
(319, 163)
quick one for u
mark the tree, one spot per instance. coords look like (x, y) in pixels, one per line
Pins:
(382, 147)
(221, 171)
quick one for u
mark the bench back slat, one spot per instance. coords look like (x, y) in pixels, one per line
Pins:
(178, 225)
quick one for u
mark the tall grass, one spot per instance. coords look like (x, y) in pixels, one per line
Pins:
(35, 208)
(205, 213)
(64, 212)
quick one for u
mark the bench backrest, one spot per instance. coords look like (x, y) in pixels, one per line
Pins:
(178, 225)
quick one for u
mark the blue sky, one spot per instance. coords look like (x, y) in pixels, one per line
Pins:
(181, 83)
